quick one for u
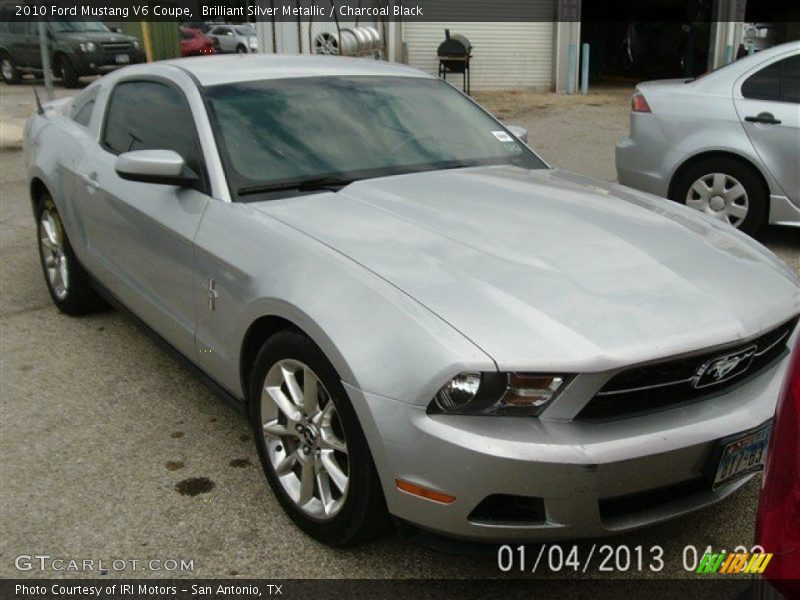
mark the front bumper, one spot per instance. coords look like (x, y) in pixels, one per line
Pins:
(97, 63)
(593, 478)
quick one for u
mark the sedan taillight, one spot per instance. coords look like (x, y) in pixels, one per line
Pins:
(777, 525)
(639, 104)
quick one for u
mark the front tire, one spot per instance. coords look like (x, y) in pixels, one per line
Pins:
(311, 446)
(66, 279)
(726, 189)
(69, 74)
(241, 49)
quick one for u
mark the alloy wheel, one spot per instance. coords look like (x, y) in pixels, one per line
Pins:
(304, 439)
(720, 195)
(51, 241)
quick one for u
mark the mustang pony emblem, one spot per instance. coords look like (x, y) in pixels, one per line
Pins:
(724, 367)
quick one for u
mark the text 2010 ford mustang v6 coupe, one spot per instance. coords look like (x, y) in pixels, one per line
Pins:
(421, 318)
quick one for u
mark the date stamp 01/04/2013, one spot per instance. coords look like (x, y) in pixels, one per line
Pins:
(621, 558)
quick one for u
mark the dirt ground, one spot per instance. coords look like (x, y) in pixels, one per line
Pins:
(574, 132)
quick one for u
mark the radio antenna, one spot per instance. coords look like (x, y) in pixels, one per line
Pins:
(39, 108)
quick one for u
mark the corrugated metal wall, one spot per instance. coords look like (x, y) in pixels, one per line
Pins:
(505, 55)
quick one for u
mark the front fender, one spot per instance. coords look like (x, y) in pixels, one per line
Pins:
(377, 337)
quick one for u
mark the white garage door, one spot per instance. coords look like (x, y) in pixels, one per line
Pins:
(504, 55)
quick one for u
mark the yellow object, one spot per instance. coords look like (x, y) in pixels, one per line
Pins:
(428, 494)
(148, 45)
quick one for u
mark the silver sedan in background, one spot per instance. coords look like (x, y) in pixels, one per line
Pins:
(234, 38)
(727, 143)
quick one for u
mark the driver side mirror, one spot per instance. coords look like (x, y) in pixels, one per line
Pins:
(519, 132)
(165, 167)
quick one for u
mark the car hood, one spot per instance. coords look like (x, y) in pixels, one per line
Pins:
(550, 270)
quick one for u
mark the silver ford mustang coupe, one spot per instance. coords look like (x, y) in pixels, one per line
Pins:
(421, 319)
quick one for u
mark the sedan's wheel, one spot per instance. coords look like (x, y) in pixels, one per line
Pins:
(726, 189)
(67, 282)
(311, 446)
(305, 440)
(241, 49)
(721, 196)
(9, 70)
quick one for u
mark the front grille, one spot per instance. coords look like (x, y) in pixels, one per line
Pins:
(117, 46)
(666, 383)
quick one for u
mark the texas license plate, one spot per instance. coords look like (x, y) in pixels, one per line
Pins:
(742, 455)
(123, 59)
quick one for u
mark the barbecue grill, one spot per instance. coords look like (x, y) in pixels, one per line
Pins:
(454, 55)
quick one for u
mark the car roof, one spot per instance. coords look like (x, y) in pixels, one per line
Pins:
(235, 68)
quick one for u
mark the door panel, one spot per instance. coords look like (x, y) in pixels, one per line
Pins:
(31, 49)
(140, 236)
(141, 244)
(777, 144)
(769, 110)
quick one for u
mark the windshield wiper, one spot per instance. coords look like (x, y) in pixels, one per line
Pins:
(302, 185)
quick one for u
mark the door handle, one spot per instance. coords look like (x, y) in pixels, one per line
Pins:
(90, 181)
(765, 117)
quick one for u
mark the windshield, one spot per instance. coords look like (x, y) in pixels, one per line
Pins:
(296, 130)
(65, 24)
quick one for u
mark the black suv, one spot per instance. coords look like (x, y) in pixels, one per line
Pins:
(77, 48)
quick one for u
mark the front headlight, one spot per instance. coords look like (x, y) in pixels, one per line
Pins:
(136, 44)
(525, 394)
(88, 47)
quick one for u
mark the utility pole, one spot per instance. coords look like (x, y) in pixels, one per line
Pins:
(148, 43)
(48, 73)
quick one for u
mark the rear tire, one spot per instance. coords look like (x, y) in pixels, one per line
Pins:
(344, 504)
(69, 74)
(8, 70)
(67, 281)
(727, 189)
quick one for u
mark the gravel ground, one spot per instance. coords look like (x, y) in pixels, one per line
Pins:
(98, 426)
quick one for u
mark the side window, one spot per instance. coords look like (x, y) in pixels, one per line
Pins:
(790, 80)
(780, 82)
(765, 84)
(146, 115)
(84, 115)
(82, 108)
